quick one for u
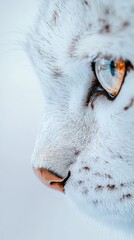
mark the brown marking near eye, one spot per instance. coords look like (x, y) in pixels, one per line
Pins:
(57, 72)
(77, 153)
(126, 196)
(99, 188)
(86, 168)
(111, 187)
(126, 24)
(106, 162)
(86, 2)
(106, 28)
(130, 104)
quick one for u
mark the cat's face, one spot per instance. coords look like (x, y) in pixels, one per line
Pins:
(84, 132)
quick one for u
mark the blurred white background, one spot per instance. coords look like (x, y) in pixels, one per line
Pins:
(28, 210)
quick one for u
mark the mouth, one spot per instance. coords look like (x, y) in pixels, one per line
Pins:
(51, 179)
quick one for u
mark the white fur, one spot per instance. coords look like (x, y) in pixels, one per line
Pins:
(68, 35)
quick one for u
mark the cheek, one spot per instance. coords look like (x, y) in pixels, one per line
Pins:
(102, 188)
(82, 185)
(126, 94)
(85, 188)
(107, 112)
(80, 177)
(78, 190)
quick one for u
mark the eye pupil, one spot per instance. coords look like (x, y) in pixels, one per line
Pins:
(112, 68)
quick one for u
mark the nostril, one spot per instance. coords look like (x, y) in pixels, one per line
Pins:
(50, 179)
(65, 180)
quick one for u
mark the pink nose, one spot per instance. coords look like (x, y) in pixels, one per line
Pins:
(49, 179)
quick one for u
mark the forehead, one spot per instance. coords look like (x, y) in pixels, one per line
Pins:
(69, 34)
(54, 39)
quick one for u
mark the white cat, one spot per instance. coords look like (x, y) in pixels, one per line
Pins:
(83, 54)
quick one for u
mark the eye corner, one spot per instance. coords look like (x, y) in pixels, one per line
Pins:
(93, 66)
(129, 66)
(95, 79)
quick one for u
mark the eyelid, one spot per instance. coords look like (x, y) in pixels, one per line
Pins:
(93, 67)
(95, 87)
(94, 90)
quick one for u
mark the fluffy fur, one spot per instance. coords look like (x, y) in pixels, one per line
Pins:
(95, 144)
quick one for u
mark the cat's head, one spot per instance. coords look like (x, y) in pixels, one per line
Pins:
(83, 54)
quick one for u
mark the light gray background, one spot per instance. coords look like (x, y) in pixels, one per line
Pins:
(28, 210)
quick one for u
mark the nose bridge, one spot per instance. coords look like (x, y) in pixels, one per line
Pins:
(50, 179)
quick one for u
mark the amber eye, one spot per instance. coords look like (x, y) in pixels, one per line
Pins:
(110, 73)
